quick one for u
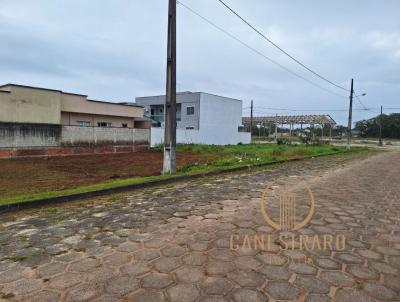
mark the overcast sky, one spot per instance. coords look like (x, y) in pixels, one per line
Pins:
(115, 50)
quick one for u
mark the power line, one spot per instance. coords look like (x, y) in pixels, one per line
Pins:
(311, 110)
(271, 111)
(359, 100)
(256, 51)
(281, 49)
(372, 109)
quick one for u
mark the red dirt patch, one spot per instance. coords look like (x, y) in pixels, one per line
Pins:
(31, 175)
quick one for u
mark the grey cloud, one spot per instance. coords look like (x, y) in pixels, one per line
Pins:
(116, 50)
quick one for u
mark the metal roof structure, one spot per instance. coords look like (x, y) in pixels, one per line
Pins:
(291, 119)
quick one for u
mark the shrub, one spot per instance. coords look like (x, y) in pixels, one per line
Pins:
(305, 139)
(283, 141)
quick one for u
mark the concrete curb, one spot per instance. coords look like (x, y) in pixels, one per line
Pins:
(73, 197)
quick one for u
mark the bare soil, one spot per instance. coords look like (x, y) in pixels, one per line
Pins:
(31, 175)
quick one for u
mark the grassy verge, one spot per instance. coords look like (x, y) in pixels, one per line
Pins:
(244, 155)
(227, 157)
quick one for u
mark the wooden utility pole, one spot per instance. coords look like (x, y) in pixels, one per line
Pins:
(380, 128)
(169, 165)
(350, 117)
(251, 120)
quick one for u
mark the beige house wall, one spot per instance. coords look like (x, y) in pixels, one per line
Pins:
(80, 104)
(27, 105)
(72, 119)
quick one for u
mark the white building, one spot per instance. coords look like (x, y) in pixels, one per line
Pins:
(202, 118)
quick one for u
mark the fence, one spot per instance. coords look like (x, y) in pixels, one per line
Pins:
(51, 140)
(81, 136)
(190, 136)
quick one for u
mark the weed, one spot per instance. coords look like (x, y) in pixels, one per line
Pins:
(23, 237)
(51, 210)
(87, 236)
(14, 258)
(103, 228)
(116, 198)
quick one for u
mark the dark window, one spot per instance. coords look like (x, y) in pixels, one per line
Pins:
(189, 128)
(103, 124)
(190, 110)
(124, 125)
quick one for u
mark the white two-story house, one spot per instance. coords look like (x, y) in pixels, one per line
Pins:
(202, 118)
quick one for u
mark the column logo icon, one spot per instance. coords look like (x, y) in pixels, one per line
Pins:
(288, 218)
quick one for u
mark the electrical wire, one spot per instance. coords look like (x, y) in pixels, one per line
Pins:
(289, 109)
(359, 100)
(280, 48)
(281, 66)
(256, 51)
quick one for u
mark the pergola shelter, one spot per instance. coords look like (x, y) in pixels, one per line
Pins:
(291, 120)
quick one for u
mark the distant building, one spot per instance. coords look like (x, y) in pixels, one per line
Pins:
(202, 118)
(37, 121)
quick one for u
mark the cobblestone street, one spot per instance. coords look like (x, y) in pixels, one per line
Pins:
(173, 243)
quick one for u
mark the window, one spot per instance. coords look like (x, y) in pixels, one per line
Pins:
(103, 124)
(189, 128)
(83, 123)
(124, 125)
(190, 110)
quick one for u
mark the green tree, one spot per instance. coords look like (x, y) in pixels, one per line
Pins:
(370, 127)
(339, 130)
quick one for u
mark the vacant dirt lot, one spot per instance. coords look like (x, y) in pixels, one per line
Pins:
(31, 175)
(172, 243)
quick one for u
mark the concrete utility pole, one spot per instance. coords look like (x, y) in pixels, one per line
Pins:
(170, 99)
(350, 117)
(380, 128)
(276, 128)
(251, 120)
